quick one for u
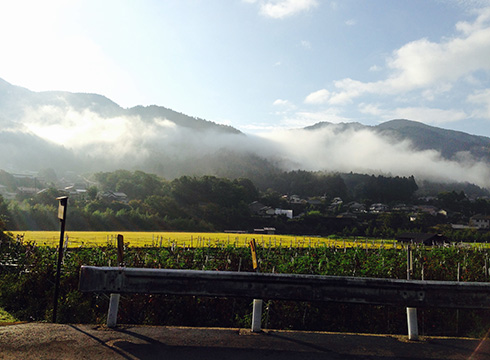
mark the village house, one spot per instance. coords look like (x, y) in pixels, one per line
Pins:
(295, 199)
(378, 208)
(78, 191)
(257, 208)
(288, 213)
(6, 194)
(113, 196)
(480, 221)
(356, 207)
(402, 207)
(24, 190)
(428, 209)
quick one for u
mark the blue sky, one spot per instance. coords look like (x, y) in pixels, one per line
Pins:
(261, 65)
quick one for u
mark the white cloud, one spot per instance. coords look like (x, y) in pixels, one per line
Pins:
(306, 118)
(297, 120)
(306, 44)
(350, 89)
(88, 132)
(372, 109)
(423, 64)
(279, 9)
(429, 115)
(423, 114)
(350, 22)
(284, 106)
(318, 97)
(365, 151)
(433, 92)
(480, 23)
(481, 98)
(281, 102)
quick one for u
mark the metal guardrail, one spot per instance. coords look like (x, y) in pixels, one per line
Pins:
(407, 293)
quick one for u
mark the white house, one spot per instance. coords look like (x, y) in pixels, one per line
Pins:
(480, 221)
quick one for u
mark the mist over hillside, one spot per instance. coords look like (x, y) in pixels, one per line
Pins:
(87, 133)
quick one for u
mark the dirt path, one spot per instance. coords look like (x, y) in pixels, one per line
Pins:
(61, 341)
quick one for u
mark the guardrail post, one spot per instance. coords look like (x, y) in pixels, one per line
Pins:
(413, 329)
(257, 316)
(114, 299)
(257, 304)
(113, 309)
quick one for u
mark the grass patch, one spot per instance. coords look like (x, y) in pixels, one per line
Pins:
(5, 317)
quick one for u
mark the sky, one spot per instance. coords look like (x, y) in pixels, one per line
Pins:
(261, 65)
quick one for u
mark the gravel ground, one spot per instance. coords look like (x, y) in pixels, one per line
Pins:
(63, 341)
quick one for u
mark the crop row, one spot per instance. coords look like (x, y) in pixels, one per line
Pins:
(75, 239)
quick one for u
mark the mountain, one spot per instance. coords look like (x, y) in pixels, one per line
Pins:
(14, 100)
(448, 143)
(148, 113)
(30, 123)
(86, 133)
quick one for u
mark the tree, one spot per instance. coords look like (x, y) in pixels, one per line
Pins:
(4, 219)
(92, 192)
(394, 221)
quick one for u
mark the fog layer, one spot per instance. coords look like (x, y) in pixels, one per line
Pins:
(132, 142)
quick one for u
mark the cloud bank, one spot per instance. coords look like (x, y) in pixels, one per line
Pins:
(130, 141)
(365, 151)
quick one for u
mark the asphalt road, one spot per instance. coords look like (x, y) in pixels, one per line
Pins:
(62, 341)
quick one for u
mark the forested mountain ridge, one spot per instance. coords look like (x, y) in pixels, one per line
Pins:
(448, 142)
(423, 137)
(87, 133)
(14, 100)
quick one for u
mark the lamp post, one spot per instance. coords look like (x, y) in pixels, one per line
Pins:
(63, 202)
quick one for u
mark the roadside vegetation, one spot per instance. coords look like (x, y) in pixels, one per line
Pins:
(5, 317)
(212, 205)
(28, 272)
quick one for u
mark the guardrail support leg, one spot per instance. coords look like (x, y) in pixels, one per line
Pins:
(413, 329)
(257, 316)
(113, 308)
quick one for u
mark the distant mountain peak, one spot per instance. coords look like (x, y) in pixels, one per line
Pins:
(155, 111)
(338, 126)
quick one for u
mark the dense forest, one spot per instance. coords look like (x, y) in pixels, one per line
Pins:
(321, 204)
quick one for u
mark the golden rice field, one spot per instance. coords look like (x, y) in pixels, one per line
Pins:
(74, 239)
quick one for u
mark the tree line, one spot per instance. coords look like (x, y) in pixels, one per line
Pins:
(210, 203)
